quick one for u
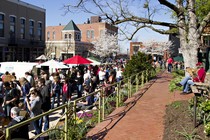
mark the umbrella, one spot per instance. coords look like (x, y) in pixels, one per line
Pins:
(178, 58)
(94, 62)
(77, 59)
(53, 64)
(41, 57)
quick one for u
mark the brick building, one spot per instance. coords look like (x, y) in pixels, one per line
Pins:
(22, 31)
(134, 47)
(93, 29)
(64, 41)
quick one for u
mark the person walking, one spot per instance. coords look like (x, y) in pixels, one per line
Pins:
(10, 98)
(46, 102)
(55, 91)
(79, 80)
(170, 62)
(34, 104)
(66, 92)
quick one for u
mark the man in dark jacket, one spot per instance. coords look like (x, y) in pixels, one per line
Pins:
(46, 105)
(21, 132)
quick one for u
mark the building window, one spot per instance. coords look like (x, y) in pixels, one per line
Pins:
(39, 30)
(92, 34)
(31, 29)
(88, 34)
(66, 36)
(48, 35)
(54, 35)
(22, 28)
(1, 25)
(12, 26)
(78, 36)
(102, 32)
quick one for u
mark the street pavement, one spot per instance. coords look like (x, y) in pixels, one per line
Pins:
(143, 116)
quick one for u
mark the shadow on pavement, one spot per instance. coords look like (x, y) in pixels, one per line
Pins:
(118, 114)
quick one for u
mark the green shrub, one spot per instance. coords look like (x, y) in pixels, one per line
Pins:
(207, 129)
(138, 63)
(177, 77)
(172, 84)
(178, 73)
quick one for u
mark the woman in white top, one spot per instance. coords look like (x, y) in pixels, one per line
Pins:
(119, 75)
(101, 75)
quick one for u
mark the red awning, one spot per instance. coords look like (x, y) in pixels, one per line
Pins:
(77, 59)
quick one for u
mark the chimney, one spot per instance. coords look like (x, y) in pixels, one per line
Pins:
(88, 21)
(95, 19)
(59, 24)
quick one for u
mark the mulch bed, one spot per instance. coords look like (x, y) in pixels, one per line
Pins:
(179, 123)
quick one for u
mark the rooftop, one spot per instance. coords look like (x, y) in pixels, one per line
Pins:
(71, 26)
(19, 2)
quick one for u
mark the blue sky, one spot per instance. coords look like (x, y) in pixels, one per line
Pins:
(55, 15)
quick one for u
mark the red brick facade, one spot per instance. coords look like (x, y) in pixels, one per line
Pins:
(90, 32)
(133, 46)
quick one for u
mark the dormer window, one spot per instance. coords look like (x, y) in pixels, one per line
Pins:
(65, 36)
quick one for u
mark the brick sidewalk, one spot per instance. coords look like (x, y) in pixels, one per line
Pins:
(143, 117)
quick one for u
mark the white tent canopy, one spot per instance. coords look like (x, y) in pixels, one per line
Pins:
(41, 57)
(18, 67)
(94, 62)
(53, 65)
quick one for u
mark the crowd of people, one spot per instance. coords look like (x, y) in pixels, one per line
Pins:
(29, 96)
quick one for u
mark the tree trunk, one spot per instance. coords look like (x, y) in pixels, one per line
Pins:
(190, 55)
(189, 36)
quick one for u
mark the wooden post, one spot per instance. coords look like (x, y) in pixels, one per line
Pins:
(130, 86)
(137, 83)
(142, 79)
(74, 110)
(194, 114)
(103, 105)
(147, 76)
(8, 134)
(117, 97)
(119, 91)
(99, 107)
(66, 122)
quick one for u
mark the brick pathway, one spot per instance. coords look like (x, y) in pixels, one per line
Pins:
(143, 116)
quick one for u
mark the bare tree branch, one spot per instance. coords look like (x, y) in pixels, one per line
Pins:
(161, 31)
(170, 5)
(145, 21)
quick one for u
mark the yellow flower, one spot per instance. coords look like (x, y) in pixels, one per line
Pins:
(79, 121)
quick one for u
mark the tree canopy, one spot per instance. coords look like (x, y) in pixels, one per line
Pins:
(192, 16)
(140, 14)
(106, 45)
